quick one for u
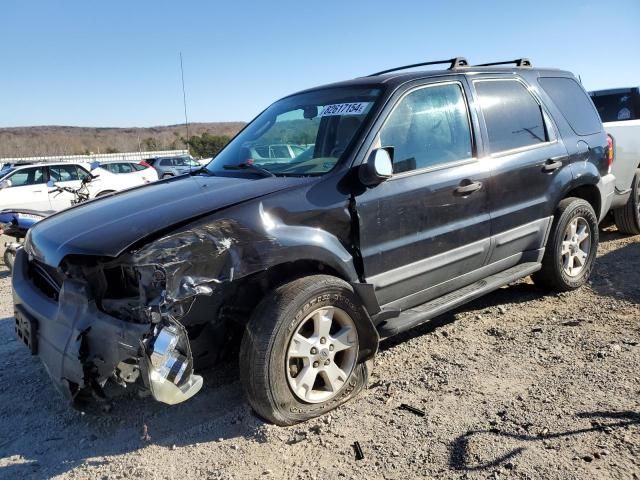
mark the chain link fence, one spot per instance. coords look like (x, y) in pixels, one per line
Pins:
(95, 157)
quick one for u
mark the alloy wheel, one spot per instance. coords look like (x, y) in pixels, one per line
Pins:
(576, 246)
(321, 355)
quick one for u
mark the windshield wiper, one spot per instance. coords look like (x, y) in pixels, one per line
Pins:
(250, 166)
(201, 170)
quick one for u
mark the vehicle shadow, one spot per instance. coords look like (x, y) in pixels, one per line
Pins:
(46, 437)
(516, 293)
(615, 270)
(460, 451)
(611, 276)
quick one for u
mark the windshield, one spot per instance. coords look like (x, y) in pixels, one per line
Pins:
(305, 134)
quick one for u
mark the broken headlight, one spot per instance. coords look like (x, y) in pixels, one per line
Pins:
(167, 362)
(170, 365)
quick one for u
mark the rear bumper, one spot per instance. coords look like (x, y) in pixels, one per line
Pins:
(79, 345)
(606, 185)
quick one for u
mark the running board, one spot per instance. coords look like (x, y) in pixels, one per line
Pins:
(420, 314)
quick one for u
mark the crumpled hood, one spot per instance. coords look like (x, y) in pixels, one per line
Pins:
(108, 226)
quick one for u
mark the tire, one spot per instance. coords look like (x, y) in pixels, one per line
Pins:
(270, 368)
(9, 258)
(559, 272)
(627, 218)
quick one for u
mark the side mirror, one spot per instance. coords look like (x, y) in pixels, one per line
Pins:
(51, 184)
(379, 167)
(5, 184)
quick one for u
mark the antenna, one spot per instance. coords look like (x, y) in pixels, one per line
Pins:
(184, 99)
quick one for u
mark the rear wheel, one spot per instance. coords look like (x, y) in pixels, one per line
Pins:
(299, 353)
(627, 218)
(571, 248)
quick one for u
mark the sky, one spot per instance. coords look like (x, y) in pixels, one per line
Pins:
(116, 63)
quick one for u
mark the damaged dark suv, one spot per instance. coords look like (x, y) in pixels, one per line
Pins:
(409, 194)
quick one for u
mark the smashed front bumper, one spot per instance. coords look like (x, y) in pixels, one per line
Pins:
(81, 347)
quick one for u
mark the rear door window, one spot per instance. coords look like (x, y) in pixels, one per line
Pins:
(512, 115)
(124, 168)
(262, 150)
(574, 103)
(82, 172)
(280, 151)
(64, 173)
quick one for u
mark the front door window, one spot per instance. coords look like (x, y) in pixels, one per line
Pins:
(428, 127)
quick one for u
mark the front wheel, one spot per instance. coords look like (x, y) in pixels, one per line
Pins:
(299, 353)
(571, 247)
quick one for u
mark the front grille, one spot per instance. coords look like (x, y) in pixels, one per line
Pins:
(47, 279)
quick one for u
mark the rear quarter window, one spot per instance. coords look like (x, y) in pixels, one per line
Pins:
(574, 104)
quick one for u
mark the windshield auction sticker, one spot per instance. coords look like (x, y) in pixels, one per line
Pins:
(344, 109)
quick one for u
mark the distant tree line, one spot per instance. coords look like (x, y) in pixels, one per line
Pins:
(206, 145)
(60, 140)
(200, 146)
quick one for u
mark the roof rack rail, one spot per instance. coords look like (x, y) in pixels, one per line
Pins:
(456, 62)
(519, 62)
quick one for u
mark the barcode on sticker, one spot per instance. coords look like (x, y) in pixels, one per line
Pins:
(344, 109)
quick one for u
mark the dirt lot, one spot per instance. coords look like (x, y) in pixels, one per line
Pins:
(515, 385)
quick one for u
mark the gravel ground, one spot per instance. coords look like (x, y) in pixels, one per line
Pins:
(515, 385)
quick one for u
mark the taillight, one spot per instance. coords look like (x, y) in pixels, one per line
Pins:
(610, 151)
(144, 164)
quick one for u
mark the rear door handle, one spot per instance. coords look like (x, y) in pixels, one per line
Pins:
(552, 164)
(467, 187)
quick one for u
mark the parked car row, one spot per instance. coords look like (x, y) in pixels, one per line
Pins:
(29, 184)
(421, 190)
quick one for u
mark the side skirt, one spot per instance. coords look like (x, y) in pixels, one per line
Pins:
(421, 313)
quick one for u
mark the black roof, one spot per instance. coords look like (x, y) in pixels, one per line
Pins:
(397, 78)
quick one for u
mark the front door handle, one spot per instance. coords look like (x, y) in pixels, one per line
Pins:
(467, 187)
(551, 165)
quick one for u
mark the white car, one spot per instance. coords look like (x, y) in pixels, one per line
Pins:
(26, 186)
(619, 110)
(137, 173)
